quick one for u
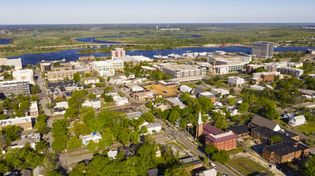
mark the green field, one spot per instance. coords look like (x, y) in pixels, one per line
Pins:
(308, 128)
(246, 166)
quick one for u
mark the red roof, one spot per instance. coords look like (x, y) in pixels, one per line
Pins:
(212, 139)
(210, 129)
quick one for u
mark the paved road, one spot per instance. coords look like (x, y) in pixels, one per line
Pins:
(193, 147)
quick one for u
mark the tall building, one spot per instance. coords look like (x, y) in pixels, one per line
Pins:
(118, 53)
(263, 50)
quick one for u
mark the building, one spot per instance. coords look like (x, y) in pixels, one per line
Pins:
(23, 122)
(118, 53)
(209, 172)
(297, 120)
(291, 71)
(95, 104)
(137, 88)
(264, 122)
(228, 63)
(213, 136)
(220, 92)
(39, 171)
(284, 152)
(15, 88)
(137, 59)
(33, 111)
(119, 100)
(24, 75)
(236, 81)
(263, 50)
(107, 68)
(16, 63)
(190, 163)
(143, 96)
(264, 77)
(31, 139)
(91, 80)
(185, 89)
(152, 127)
(61, 108)
(175, 101)
(56, 71)
(241, 131)
(183, 71)
(95, 137)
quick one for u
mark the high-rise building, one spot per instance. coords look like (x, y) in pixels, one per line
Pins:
(118, 53)
(263, 50)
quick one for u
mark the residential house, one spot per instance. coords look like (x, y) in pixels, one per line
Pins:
(95, 137)
(297, 120)
(264, 122)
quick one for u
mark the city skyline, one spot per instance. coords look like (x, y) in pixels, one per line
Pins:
(141, 11)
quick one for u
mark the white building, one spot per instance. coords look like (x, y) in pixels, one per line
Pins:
(218, 91)
(24, 75)
(95, 137)
(257, 87)
(236, 81)
(136, 59)
(61, 108)
(297, 120)
(119, 100)
(112, 154)
(23, 122)
(91, 80)
(137, 88)
(152, 127)
(175, 101)
(107, 68)
(16, 63)
(185, 88)
(34, 109)
(209, 172)
(95, 104)
(118, 53)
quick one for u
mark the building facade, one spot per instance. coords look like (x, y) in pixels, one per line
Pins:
(183, 71)
(263, 50)
(15, 88)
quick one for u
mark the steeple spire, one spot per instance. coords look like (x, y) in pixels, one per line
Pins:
(200, 119)
(199, 128)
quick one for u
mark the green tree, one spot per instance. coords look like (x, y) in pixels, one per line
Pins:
(77, 77)
(220, 156)
(275, 139)
(243, 107)
(308, 167)
(173, 116)
(148, 116)
(74, 143)
(35, 89)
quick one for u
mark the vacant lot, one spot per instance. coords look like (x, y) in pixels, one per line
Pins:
(165, 91)
(246, 166)
(308, 129)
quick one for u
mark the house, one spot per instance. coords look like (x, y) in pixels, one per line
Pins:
(112, 154)
(23, 122)
(33, 111)
(209, 172)
(152, 127)
(95, 104)
(241, 131)
(95, 137)
(191, 163)
(137, 88)
(297, 120)
(309, 94)
(264, 122)
(31, 139)
(208, 95)
(185, 88)
(143, 96)
(236, 81)
(134, 115)
(119, 100)
(60, 108)
(39, 171)
(176, 102)
(220, 92)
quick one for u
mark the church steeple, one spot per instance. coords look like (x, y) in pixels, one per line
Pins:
(199, 128)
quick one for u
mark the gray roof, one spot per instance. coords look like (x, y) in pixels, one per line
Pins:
(263, 122)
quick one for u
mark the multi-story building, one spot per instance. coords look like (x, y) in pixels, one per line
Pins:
(107, 68)
(24, 75)
(213, 136)
(263, 50)
(291, 71)
(183, 71)
(33, 109)
(236, 81)
(23, 122)
(118, 53)
(15, 88)
(228, 63)
(16, 63)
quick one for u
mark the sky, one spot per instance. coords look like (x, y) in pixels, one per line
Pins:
(155, 11)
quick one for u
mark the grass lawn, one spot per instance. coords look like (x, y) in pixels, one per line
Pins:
(246, 166)
(308, 128)
(239, 149)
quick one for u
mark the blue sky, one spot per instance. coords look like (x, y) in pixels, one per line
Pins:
(155, 11)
